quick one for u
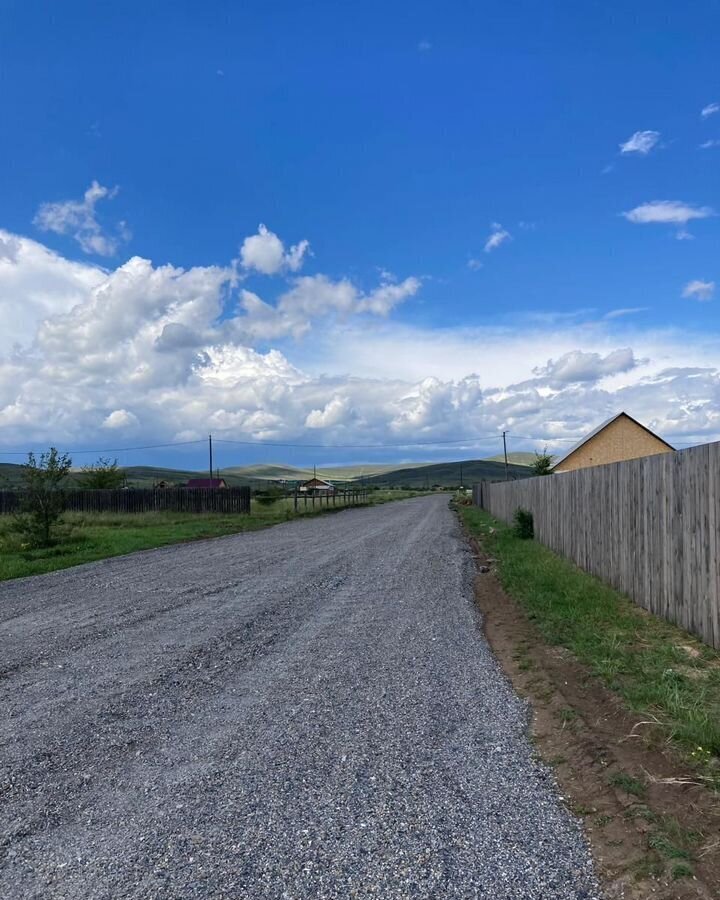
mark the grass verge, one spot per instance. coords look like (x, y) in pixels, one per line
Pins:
(662, 673)
(87, 538)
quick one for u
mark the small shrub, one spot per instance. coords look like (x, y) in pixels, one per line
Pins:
(543, 463)
(13, 541)
(524, 527)
(43, 499)
(103, 475)
(269, 496)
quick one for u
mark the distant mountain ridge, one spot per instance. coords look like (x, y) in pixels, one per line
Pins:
(258, 475)
(465, 472)
(280, 472)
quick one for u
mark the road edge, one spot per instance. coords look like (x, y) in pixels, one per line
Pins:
(586, 736)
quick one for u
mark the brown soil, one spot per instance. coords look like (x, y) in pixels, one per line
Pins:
(590, 739)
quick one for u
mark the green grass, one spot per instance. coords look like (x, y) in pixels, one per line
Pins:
(667, 841)
(86, 538)
(518, 458)
(629, 784)
(681, 870)
(662, 673)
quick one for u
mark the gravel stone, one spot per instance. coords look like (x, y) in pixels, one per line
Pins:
(309, 711)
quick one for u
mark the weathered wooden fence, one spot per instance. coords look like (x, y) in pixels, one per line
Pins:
(141, 500)
(305, 500)
(649, 527)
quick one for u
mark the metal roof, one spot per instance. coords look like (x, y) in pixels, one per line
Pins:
(205, 482)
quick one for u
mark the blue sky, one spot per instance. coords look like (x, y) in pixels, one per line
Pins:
(466, 154)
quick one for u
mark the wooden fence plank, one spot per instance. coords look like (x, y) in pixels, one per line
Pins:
(649, 527)
(142, 500)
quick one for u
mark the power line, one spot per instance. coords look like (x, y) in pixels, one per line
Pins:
(465, 440)
(548, 440)
(437, 442)
(111, 449)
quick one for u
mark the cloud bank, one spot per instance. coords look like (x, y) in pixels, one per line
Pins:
(147, 353)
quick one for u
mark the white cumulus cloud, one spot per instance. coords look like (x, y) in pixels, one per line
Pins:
(710, 110)
(36, 283)
(312, 297)
(336, 412)
(78, 219)
(120, 419)
(265, 252)
(641, 142)
(668, 212)
(699, 290)
(579, 366)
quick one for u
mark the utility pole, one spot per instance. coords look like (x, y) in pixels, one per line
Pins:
(461, 478)
(507, 477)
(211, 461)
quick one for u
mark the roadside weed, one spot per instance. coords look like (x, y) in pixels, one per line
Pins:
(661, 672)
(628, 784)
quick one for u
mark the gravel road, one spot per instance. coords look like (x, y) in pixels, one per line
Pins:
(309, 711)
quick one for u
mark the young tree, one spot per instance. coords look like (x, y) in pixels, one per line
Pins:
(103, 475)
(543, 463)
(43, 498)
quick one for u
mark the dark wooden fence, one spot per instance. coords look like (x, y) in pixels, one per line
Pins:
(142, 500)
(649, 527)
(306, 500)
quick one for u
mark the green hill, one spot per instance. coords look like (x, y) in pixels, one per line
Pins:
(520, 458)
(448, 474)
(10, 475)
(416, 475)
(137, 476)
(267, 472)
(279, 472)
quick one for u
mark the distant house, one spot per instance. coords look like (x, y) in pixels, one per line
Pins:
(317, 486)
(618, 439)
(206, 483)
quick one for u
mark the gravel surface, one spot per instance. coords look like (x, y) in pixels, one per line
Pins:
(309, 711)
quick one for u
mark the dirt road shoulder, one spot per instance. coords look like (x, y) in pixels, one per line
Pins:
(652, 833)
